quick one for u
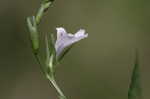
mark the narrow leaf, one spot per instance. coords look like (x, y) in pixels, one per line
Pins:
(47, 50)
(135, 91)
(50, 47)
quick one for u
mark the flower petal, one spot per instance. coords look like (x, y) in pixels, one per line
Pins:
(79, 33)
(65, 39)
(61, 32)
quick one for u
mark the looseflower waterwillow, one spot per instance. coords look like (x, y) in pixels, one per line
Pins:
(55, 46)
(56, 49)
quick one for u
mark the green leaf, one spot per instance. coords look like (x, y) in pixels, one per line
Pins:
(47, 50)
(135, 91)
(50, 48)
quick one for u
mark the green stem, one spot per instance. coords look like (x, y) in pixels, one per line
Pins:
(39, 61)
(53, 81)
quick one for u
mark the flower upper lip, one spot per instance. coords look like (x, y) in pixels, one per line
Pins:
(65, 39)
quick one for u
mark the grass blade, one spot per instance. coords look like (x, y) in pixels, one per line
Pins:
(135, 91)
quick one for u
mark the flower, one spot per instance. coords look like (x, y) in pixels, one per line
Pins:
(65, 39)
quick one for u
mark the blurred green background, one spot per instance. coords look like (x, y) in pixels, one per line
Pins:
(98, 67)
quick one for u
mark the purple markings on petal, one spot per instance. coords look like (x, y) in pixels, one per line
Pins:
(60, 32)
(65, 39)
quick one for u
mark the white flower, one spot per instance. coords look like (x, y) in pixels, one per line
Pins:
(65, 39)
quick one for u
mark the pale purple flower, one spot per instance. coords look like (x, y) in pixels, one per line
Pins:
(65, 39)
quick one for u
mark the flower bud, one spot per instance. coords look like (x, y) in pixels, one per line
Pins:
(34, 35)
